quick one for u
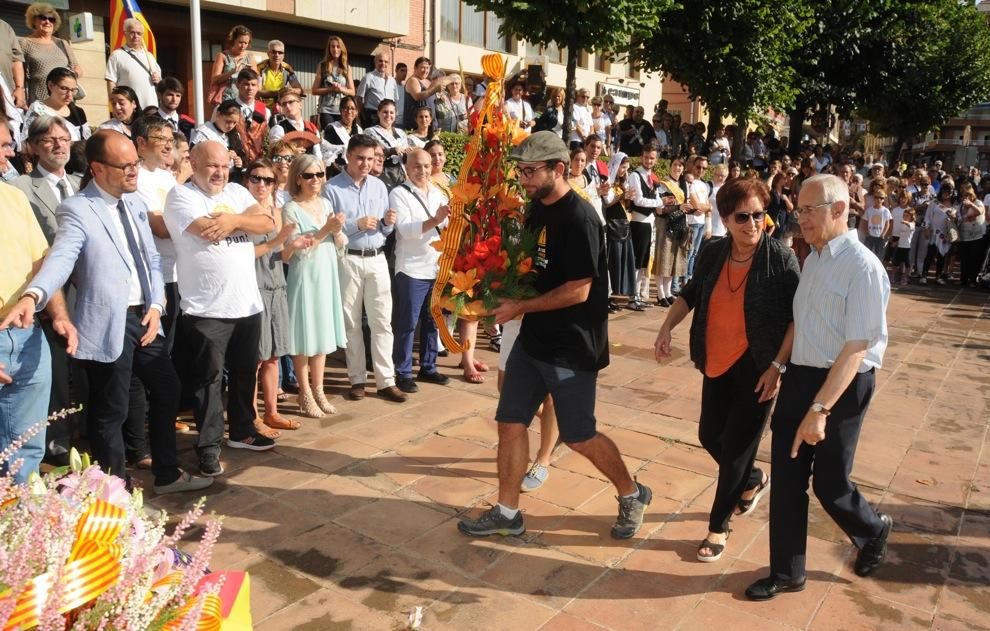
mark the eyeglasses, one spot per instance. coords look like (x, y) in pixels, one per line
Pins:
(288, 159)
(528, 172)
(138, 33)
(258, 179)
(50, 141)
(130, 166)
(289, 102)
(800, 210)
(277, 52)
(163, 139)
(743, 218)
(310, 176)
(47, 18)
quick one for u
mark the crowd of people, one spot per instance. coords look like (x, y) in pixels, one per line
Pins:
(155, 264)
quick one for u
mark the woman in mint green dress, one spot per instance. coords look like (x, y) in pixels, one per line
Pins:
(316, 315)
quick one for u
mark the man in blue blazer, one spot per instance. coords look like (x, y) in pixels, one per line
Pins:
(104, 244)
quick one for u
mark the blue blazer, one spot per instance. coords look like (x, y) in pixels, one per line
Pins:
(89, 251)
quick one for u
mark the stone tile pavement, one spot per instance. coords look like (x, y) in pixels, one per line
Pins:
(350, 522)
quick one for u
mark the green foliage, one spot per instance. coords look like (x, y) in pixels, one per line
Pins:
(454, 145)
(944, 69)
(733, 55)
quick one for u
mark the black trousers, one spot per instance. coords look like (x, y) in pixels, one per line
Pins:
(732, 420)
(109, 400)
(831, 460)
(213, 344)
(970, 260)
(933, 255)
(58, 434)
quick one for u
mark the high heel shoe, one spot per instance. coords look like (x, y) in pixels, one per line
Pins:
(321, 401)
(308, 406)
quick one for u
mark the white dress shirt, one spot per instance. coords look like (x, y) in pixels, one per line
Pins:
(53, 180)
(415, 255)
(135, 296)
(842, 297)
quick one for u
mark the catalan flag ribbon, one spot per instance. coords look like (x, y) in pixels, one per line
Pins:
(121, 10)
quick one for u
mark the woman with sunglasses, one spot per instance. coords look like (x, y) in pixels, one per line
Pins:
(741, 337)
(281, 154)
(43, 52)
(61, 84)
(274, 341)
(315, 307)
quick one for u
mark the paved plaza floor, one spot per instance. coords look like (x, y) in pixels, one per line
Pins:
(350, 523)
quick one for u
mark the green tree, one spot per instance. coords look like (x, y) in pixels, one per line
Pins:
(943, 69)
(732, 55)
(600, 25)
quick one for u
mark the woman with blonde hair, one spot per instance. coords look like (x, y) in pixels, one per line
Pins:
(43, 52)
(333, 81)
(231, 61)
(316, 313)
(452, 107)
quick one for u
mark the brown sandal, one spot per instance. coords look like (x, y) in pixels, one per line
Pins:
(265, 430)
(280, 422)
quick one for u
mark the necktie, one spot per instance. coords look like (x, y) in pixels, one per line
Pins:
(132, 245)
(63, 190)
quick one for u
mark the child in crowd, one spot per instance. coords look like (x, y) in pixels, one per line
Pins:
(905, 233)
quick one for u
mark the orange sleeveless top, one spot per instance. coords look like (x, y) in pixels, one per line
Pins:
(725, 337)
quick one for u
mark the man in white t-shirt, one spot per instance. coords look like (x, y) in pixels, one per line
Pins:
(699, 197)
(209, 221)
(134, 66)
(580, 119)
(421, 213)
(518, 108)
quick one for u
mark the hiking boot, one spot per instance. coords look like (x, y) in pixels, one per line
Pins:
(493, 522)
(631, 511)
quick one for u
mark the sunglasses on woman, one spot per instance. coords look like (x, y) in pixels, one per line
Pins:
(283, 159)
(310, 176)
(743, 218)
(47, 18)
(259, 179)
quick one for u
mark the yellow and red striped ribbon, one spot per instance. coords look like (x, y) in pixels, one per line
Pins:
(494, 68)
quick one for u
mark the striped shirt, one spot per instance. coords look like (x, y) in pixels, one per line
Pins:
(842, 297)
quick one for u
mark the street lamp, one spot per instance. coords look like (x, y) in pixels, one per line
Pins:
(624, 80)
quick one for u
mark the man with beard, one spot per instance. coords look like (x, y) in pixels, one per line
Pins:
(562, 345)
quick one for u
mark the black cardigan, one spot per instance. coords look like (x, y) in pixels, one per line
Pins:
(770, 288)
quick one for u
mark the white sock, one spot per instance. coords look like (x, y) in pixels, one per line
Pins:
(510, 513)
(668, 282)
(633, 495)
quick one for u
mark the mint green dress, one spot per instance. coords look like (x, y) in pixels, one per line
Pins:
(316, 312)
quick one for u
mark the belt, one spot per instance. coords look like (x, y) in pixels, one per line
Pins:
(138, 309)
(366, 251)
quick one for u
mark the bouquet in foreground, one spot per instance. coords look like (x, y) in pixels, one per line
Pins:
(485, 250)
(78, 551)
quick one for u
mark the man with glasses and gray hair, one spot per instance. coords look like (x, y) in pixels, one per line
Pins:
(133, 65)
(375, 87)
(275, 75)
(840, 335)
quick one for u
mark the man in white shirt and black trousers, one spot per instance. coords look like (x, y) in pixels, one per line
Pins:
(562, 344)
(840, 334)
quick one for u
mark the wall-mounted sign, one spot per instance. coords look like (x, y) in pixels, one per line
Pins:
(81, 27)
(621, 94)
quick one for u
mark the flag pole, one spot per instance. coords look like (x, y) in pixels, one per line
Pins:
(197, 60)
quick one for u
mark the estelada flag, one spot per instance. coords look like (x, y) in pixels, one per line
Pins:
(121, 10)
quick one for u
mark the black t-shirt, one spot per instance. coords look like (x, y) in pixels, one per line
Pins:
(570, 246)
(632, 144)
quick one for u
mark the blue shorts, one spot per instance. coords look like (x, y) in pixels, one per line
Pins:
(527, 383)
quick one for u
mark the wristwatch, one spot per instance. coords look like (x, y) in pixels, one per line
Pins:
(819, 408)
(781, 368)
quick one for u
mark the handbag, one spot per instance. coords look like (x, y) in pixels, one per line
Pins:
(676, 224)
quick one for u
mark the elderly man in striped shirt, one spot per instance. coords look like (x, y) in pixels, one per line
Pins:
(840, 334)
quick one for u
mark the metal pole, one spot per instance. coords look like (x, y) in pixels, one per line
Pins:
(197, 60)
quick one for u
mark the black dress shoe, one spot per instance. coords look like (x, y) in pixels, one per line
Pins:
(767, 588)
(873, 553)
(635, 305)
(406, 384)
(433, 377)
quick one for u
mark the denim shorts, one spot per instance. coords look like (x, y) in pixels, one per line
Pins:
(527, 383)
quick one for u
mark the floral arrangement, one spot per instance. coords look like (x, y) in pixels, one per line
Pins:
(485, 249)
(77, 551)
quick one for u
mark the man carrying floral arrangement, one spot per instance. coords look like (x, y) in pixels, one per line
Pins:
(562, 345)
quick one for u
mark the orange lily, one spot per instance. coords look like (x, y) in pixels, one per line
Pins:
(464, 282)
(509, 200)
(465, 193)
(524, 266)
